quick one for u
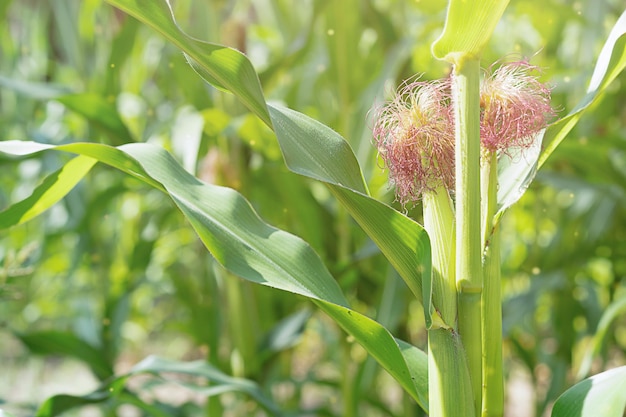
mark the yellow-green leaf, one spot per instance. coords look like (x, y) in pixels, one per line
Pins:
(469, 25)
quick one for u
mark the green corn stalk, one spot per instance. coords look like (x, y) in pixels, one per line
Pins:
(465, 96)
(493, 378)
(449, 385)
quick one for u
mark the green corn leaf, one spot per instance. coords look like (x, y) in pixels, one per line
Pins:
(52, 189)
(225, 67)
(330, 159)
(309, 148)
(250, 248)
(224, 220)
(611, 62)
(301, 139)
(517, 171)
(468, 28)
(600, 395)
(326, 156)
(114, 388)
(306, 275)
(234, 233)
(406, 363)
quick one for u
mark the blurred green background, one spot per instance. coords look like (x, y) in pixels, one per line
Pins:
(113, 273)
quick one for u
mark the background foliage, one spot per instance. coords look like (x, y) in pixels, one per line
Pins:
(113, 273)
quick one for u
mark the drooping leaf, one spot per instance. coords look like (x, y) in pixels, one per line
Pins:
(303, 271)
(405, 243)
(115, 388)
(250, 248)
(468, 28)
(406, 363)
(234, 233)
(309, 148)
(601, 395)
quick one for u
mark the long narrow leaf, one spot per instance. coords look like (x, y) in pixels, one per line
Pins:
(517, 171)
(250, 248)
(309, 147)
(316, 151)
(217, 219)
(220, 383)
(610, 64)
(234, 233)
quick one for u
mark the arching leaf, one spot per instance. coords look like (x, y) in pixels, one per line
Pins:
(516, 171)
(309, 147)
(611, 62)
(250, 248)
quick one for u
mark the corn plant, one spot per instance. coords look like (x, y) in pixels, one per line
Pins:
(466, 149)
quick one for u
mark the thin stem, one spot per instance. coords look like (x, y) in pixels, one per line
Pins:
(489, 194)
(466, 97)
(348, 386)
(243, 327)
(493, 379)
